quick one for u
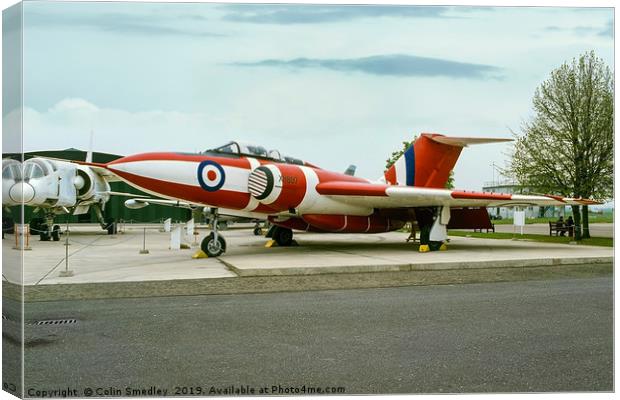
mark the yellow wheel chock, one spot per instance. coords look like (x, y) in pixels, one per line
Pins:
(424, 248)
(271, 243)
(200, 254)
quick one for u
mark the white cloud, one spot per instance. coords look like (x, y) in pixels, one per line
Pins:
(74, 104)
(69, 122)
(11, 131)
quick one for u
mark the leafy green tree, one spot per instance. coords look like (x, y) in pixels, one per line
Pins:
(450, 181)
(566, 148)
(396, 154)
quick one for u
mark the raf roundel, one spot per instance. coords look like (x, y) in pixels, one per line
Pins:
(211, 175)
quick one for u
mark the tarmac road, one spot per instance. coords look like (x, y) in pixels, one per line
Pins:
(551, 335)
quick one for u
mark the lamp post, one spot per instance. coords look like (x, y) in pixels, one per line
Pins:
(494, 167)
(495, 189)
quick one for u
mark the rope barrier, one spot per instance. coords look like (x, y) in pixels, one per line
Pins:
(72, 240)
(64, 258)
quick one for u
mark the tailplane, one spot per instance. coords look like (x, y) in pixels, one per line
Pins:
(428, 161)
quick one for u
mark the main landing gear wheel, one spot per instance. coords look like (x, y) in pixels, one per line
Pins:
(44, 233)
(213, 247)
(433, 229)
(56, 233)
(111, 226)
(283, 236)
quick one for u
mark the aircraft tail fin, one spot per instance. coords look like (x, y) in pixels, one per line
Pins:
(428, 161)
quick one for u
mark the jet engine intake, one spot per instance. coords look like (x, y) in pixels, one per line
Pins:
(280, 187)
(84, 183)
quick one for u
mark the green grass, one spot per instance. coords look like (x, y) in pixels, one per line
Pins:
(593, 218)
(595, 241)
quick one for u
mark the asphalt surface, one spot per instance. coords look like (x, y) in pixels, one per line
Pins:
(554, 335)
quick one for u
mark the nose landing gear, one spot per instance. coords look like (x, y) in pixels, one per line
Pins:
(46, 228)
(214, 244)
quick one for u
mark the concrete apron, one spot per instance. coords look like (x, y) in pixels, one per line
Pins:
(112, 267)
(341, 277)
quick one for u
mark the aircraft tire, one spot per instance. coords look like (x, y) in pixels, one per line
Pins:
(425, 234)
(434, 245)
(44, 234)
(56, 233)
(283, 236)
(211, 247)
(257, 231)
(270, 231)
(111, 226)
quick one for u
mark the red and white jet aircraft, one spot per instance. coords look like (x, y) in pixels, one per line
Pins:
(247, 181)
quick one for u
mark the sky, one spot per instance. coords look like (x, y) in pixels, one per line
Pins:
(333, 85)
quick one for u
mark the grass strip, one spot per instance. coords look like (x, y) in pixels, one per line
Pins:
(595, 241)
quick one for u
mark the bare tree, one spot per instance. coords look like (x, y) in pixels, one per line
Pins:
(567, 147)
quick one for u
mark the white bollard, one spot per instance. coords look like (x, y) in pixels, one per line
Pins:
(189, 231)
(175, 239)
(167, 225)
(518, 219)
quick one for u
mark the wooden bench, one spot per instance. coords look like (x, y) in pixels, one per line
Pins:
(491, 229)
(559, 227)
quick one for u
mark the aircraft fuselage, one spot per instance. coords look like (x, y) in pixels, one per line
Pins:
(248, 186)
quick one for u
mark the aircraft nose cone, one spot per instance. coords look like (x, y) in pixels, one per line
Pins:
(21, 192)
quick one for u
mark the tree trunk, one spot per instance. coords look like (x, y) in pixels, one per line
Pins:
(577, 219)
(586, 222)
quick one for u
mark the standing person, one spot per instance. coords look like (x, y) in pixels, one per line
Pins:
(571, 226)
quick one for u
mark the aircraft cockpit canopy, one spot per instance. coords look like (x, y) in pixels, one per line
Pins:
(31, 169)
(38, 168)
(11, 170)
(242, 148)
(249, 149)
